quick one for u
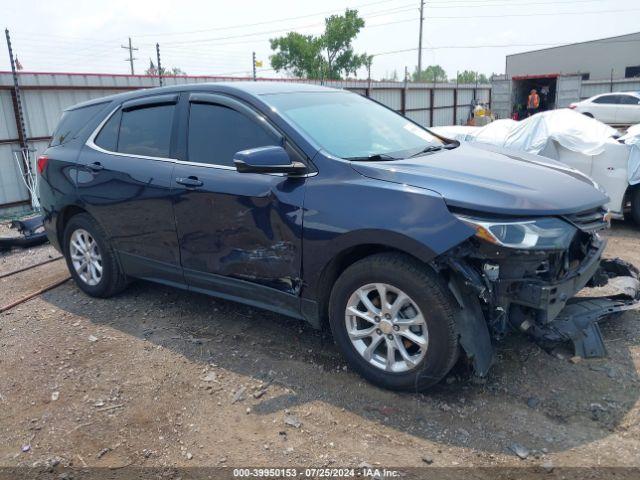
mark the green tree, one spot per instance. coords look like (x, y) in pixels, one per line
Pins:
(329, 55)
(299, 55)
(152, 70)
(433, 73)
(468, 76)
(390, 77)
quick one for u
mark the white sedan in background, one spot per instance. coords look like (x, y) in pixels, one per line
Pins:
(619, 108)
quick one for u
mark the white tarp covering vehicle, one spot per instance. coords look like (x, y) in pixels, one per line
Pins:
(575, 140)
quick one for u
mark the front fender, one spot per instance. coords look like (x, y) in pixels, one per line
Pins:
(348, 209)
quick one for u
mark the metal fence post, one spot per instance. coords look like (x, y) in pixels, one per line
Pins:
(455, 105)
(18, 114)
(431, 98)
(159, 65)
(16, 97)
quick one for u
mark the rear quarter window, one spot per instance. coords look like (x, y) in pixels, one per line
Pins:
(72, 122)
(108, 136)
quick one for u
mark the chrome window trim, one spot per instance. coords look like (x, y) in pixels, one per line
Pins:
(91, 144)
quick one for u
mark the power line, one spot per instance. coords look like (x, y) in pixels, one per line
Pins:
(506, 45)
(512, 4)
(280, 30)
(96, 49)
(178, 47)
(266, 22)
(248, 36)
(536, 14)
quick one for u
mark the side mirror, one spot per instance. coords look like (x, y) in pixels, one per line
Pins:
(267, 160)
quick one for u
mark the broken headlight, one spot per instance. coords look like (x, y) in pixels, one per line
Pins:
(548, 233)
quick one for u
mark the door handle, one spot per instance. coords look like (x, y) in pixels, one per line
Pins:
(95, 166)
(189, 182)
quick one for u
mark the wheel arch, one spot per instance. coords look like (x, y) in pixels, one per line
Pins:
(628, 199)
(343, 260)
(63, 219)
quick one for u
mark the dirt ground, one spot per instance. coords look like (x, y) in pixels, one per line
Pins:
(164, 378)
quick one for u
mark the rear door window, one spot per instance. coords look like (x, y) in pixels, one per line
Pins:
(72, 121)
(629, 100)
(216, 133)
(146, 131)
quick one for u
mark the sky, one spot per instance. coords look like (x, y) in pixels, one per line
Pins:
(217, 37)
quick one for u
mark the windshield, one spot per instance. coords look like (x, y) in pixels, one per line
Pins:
(352, 127)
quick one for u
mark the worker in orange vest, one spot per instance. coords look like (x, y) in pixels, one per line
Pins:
(533, 103)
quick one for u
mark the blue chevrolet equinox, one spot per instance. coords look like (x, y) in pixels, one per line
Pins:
(414, 250)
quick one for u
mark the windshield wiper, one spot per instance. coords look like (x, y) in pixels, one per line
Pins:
(375, 157)
(434, 148)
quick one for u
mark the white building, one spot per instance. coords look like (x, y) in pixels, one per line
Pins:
(594, 60)
(568, 73)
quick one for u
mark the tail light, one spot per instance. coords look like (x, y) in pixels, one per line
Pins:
(572, 106)
(42, 163)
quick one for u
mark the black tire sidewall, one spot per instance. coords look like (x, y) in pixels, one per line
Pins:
(423, 289)
(85, 222)
(635, 205)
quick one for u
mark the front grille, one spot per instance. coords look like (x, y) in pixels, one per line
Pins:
(590, 220)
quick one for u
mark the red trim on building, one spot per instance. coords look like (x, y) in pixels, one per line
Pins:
(532, 77)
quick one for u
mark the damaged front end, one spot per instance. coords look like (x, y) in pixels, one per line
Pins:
(522, 274)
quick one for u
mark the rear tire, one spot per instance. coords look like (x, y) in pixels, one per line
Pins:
(635, 205)
(410, 367)
(90, 258)
(587, 114)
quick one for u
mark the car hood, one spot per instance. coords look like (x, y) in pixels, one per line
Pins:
(490, 179)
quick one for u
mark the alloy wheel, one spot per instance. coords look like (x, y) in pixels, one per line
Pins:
(85, 257)
(386, 327)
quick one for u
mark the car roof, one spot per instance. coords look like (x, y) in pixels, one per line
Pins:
(239, 87)
(635, 94)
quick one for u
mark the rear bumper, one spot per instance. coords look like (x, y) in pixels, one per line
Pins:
(50, 222)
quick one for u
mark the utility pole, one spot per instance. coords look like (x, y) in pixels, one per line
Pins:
(131, 57)
(420, 40)
(159, 66)
(254, 66)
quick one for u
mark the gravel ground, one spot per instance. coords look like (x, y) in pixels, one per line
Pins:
(165, 378)
(18, 258)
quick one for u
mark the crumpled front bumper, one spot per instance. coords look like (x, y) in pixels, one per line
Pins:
(551, 297)
(578, 321)
(547, 311)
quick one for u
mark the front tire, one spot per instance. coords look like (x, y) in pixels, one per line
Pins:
(90, 258)
(393, 320)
